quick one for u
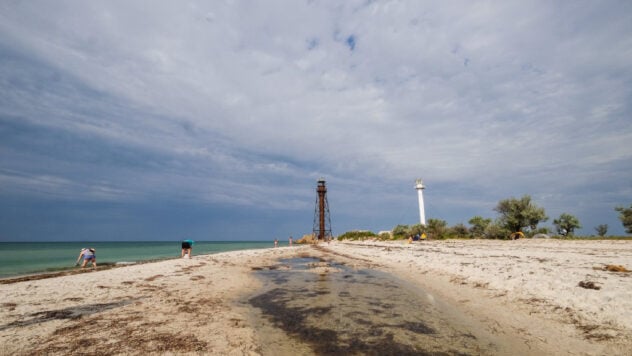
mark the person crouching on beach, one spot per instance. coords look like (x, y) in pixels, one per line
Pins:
(88, 254)
(187, 248)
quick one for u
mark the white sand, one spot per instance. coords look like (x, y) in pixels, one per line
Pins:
(527, 288)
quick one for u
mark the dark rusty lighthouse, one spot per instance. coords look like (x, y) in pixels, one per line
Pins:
(322, 221)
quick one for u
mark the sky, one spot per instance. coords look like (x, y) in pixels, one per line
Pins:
(214, 120)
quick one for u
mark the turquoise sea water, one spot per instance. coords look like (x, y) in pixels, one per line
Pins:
(19, 258)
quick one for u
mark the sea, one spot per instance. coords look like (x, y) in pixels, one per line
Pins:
(23, 258)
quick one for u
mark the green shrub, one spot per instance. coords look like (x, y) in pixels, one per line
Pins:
(496, 231)
(437, 229)
(479, 224)
(459, 231)
(401, 232)
(356, 235)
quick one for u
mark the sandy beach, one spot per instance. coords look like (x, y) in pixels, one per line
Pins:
(533, 297)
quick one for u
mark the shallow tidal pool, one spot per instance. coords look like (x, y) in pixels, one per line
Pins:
(315, 306)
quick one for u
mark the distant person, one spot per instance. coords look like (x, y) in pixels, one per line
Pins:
(290, 240)
(276, 243)
(516, 235)
(88, 254)
(187, 248)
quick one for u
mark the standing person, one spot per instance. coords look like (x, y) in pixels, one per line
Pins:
(187, 248)
(276, 243)
(88, 254)
(290, 240)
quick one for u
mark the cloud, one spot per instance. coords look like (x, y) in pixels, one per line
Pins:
(239, 104)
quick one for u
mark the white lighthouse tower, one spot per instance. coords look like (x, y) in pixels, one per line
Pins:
(419, 185)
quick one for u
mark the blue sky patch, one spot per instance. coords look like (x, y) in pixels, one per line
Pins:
(351, 42)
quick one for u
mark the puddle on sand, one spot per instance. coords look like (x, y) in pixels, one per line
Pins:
(327, 308)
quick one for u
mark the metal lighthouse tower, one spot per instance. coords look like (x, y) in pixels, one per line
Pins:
(419, 185)
(322, 221)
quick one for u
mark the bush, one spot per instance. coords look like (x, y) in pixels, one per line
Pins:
(625, 215)
(495, 231)
(566, 224)
(479, 224)
(602, 230)
(418, 229)
(401, 232)
(437, 229)
(459, 231)
(356, 235)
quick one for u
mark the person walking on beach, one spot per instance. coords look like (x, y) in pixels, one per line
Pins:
(88, 254)
(290, 240)
(187, 248)
(276, 243)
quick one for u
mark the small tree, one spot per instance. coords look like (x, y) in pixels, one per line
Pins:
(516, 214)
(625, 215)
(602, 230)
(566, 224)
(479, 224)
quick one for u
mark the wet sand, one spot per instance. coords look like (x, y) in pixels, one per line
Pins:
(445, 297)
(333, 308)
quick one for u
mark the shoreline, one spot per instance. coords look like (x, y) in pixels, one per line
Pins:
(525, 289)
(76, 270)
(31, 258)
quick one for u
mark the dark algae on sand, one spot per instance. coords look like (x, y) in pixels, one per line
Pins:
(335, 309)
